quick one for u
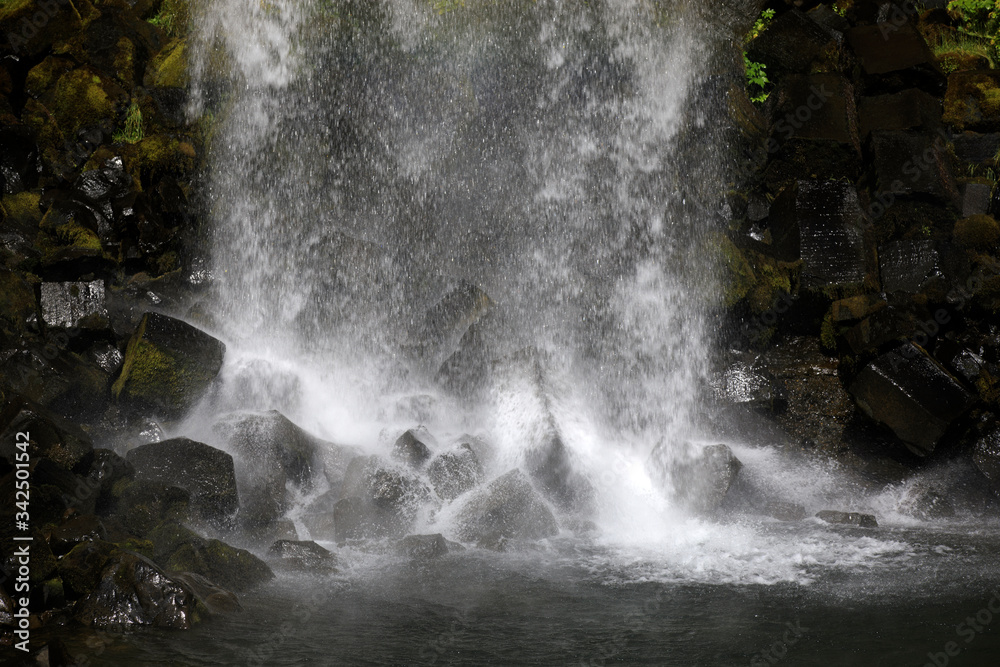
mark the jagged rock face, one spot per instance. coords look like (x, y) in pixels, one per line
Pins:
(207, 473)
(508, 508)
(912, 394)
(411, 449)
(169, 364)
(697, 480)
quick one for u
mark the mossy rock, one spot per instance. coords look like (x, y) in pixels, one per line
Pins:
(63, 20)
(84, 98)
(81, 567)
(22, 208)
(979, 232)
(959, 60)
(169, 68)
(158, 155)
(140, 506)
(17, 302)
(180, 549)
(752, 276)
(168, 365)
(43, 76)
(972, 101)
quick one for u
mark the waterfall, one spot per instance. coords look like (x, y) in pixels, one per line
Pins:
(369, 157)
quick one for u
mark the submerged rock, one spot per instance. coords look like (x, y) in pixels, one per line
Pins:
(426, 546)
(848, 518)
(205, 472)
(168, 366)
(508, 508)
(698, 481)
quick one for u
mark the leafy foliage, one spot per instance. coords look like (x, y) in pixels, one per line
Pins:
(756, 73)
(980, 24)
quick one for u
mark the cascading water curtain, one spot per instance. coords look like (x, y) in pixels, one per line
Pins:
(367, 153)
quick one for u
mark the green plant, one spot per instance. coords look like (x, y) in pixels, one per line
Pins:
(980, 22)
(840, 9)
(132, 131)
(172, 17)
(756, 73)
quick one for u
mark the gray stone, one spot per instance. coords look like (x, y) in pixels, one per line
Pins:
(698, 479)
(975, 199)
(66, 304)
(422, 547)
(453, 473)
(848, 518)
(986, 458)
(411, 449)
(506, 509)
(377, 501)
(908, 266)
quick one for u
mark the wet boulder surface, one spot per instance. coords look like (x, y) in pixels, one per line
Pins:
(508, 508)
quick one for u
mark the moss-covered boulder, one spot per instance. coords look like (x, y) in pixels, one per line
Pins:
(140, 506)
(30, 28)
(43, 76)
(179, 548)
(972, 101)
(168, 366)
(17, 304)
(81, 567)
(978, 232)
(84, 98)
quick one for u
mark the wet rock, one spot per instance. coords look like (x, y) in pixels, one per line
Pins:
(66, 304)
(303, 554)
(697, 479)
(17, 305)
(508, 508)
(377, 501)
(51, 436)
(848, 518)
(970, 101)
(821, 223)
(894, 57)
(986, 457)
(30, 35)
(106, 470)
(911, 394)
(134, 592)
(891, 323)
(447, 321)
(205, 472)
(453, 473)
(216, 599)
(792, 43)
(751, 386)
(411, 449)
(909, 266)
(55, 377)
(80, 569)
(911, 109)
(422, 547)
(168, 366)
(928, 502)
(179, 548)
(976, 148)
(140, 506)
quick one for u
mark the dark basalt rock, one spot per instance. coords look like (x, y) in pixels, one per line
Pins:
(168, 366)
(911, 394)
(205, 472)
(423, 547)
(894, 57)
(910, 109)
(134, 592)
(928, 502)
(848, 518)
(58, 379)
(142, 505)
(446, 322)
(821, 223)
(51, 436)
(453, 473)
(751, 386)
(976, 148)
(411, 449)
(303, 554)
(699, 480)
(507, 509)
(80, 569)
(377, 501)
(66, 304)
(909, 266)
(179, 548)
(86, 528)
(915, 165)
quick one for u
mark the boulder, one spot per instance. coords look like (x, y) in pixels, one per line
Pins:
(81, 567)
(422, 547)
(168, 366)
(411, 448)
(303, 555)
(444, 324)
(986, 457)
(31, 28)
(453, 473)
(749, 385)
(51, 436)
(912, 394)
(179, 548)
(927, 502)
(140, 506)
(848, 518)
(821, 223)
(378, 501)
(909, 266)
(205, 472)
(86, 528)
(134, 592)
(895, 57)
(697, 480)
(508, 508)
(976, 148)
(914, 164)
(976, 199)
(54, 377)
(66, 304)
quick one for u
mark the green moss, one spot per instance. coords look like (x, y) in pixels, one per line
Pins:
(78, 236)
(169, 68)
(23, 208)
(980, 232)
(81, 100)
(739, 277)
(827, 333)
(972, 100)
(44, 75)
